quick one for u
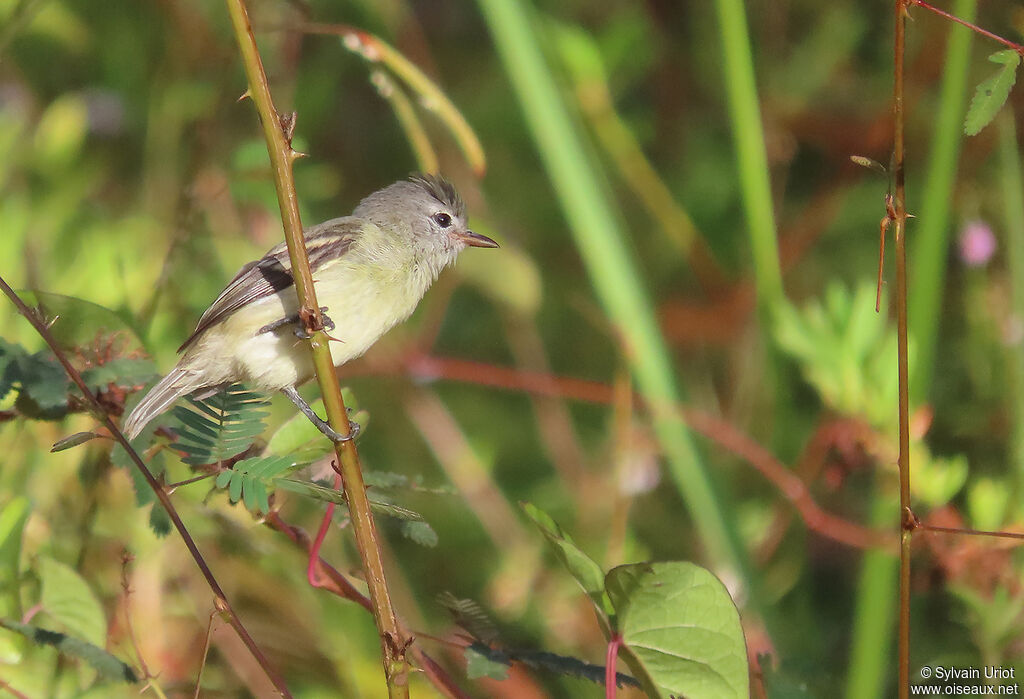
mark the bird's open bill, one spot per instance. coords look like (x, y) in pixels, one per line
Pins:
(475, 240)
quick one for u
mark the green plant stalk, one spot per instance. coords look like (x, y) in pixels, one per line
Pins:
(598, 106)
(751, 158)
(899, 225)
(376, 50)
(393, 646)
(871, 640)
(1013, 218)
(412, 127)
(611, 269)
(220, 599)
(931, 241)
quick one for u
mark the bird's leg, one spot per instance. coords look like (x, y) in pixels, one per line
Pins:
(330, 432)
(300, 331)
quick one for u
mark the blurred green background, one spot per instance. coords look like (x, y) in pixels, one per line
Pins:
(679, 217)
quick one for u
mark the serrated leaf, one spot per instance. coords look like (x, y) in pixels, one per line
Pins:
(420, 532)
(480, 665)
(106, 664)
(73, 441)
(44, 387)
(680, 629)
(582, 567)
(159, 520)
(992, 93)
(69, 600)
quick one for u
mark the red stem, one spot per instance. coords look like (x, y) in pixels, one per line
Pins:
(314, 550)
(610, 686)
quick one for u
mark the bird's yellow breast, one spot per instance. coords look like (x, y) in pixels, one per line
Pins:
(364, 299)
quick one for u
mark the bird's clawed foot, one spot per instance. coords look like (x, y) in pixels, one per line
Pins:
(353, 427)
(300, 329)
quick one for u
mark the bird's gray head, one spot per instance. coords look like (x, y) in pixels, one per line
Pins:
(427, 209)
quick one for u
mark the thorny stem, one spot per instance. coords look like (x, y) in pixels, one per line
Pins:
(220, 599)
(899, 225)
(282, 156)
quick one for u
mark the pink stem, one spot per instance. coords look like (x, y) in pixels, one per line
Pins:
(314, 551)
(609, 666)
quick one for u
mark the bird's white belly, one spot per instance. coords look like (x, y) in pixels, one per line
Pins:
(361, 312)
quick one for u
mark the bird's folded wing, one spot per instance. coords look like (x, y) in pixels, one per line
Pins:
(325, 242)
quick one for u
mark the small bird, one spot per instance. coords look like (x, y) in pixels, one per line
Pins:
(370, 269)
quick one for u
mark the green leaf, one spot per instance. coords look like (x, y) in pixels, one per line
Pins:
(680, 629)
(325, 494)
(484, 659)
(12, 524)
(106, 664)
(992, 93)
(420, 532)
(159, 520)
(67, 598)
(583, 568)
(44, 387)
(81, 324)
(72, 441)
(567, 665)
(987, 502)
(122, 371)
(300, 438)
(470, 616)
(9, 358)
(937, 480)
(248, 480)
(480, 665)
(222, 426)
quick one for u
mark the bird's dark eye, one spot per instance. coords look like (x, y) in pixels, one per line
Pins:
(442, 219)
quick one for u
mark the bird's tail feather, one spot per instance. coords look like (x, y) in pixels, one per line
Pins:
(177, 383)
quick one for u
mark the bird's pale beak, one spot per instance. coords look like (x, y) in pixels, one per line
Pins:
(474, 240)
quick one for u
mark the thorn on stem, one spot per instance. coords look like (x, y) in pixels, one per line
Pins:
(245, 95)
(288, 125)
(883, 226)
(910, 520)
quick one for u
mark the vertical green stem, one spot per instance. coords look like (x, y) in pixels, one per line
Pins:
(1013, 207)
(611, 267)
(931, 241)
(751, 158)
(393, 645)
(871, 642)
